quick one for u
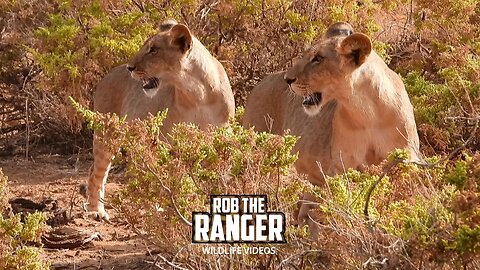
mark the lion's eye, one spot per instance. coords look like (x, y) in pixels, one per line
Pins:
(317, 59)
(152, 50)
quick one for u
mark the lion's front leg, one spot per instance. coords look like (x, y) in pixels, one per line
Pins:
(95, 189)
(307, 214)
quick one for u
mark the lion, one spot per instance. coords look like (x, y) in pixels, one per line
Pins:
(349, 109)
(173, 71)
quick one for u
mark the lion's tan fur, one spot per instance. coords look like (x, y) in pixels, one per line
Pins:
(193, 86)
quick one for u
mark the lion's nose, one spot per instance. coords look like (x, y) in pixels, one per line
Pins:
(290, 80)
(130, 68)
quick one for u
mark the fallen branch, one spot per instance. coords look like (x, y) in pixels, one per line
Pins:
(68, 238)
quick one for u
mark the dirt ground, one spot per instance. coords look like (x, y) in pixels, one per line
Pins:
(59, 177)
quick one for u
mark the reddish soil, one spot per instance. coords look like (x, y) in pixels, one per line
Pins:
(59, 177)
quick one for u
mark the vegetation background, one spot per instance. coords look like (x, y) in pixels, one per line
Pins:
(52, 49)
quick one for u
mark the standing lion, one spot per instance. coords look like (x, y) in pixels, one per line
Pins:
(173, 71)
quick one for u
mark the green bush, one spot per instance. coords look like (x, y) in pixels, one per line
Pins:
(167, 181)
(16, 234)
(75, 43)
(431, 101)
(417, 216)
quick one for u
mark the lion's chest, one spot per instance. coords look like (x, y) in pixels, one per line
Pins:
(367, 146)
(200, 115)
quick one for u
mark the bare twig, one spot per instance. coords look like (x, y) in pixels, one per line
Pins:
(170, 193)
(140, 5)
(72, 201)
(27, 120)
(386, 170)
(463, 118)
(464, 145)
(297, 255)
(27, 125)
(174, 266)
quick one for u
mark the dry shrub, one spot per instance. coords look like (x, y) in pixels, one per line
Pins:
(439, 57)
(170, 180)
(60, 48)
(417, 215)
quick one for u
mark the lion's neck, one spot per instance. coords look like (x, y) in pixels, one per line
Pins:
(199, 92)
(370, 96)
(196, 65)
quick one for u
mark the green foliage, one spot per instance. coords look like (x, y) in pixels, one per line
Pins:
(446, 77)
(419, 219)
(305, 29)
(76, 42)
(347, 192)
(428, 210)
(61, 37)
(398, 154)
(15, 234)
(458, 174)
(382, 49)
(84, 38)
(442, 214)
(25, 258)
(69, 38)
(432, 212)
(467, 239)
(431, 101)
(25, 231)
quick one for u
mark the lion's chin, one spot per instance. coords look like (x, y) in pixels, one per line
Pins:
(312, 104)
(312, 110)
(312, 100)
(151, 83)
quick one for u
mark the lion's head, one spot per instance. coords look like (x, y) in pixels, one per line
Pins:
(322, 73)
(161, 54)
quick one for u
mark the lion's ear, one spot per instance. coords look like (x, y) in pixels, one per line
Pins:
(356, 48)
(181, 37)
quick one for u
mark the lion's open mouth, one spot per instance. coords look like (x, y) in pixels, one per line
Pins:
(313, 99)
(150, 83)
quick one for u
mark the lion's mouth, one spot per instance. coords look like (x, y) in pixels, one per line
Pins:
(150, 83)
(312, 100)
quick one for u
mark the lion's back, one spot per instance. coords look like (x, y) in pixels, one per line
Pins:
(265, 109)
